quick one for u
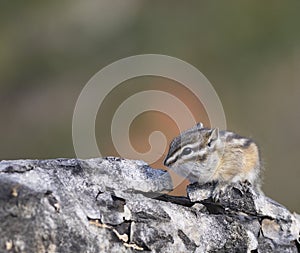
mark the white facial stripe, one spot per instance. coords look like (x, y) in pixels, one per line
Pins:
(191, 146)
(171, 159)
(198, 153)
(177, 153)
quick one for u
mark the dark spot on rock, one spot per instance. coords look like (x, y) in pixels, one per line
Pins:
(179, 200)
(212, 207)
(113, 159)
(48, 192)
(298, 243)
(124, 228)
(98, 194)
(152, 215)
(118, 203)
(52, 200)
(189, 244)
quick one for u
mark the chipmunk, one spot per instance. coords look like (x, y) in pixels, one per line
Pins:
(208, 155)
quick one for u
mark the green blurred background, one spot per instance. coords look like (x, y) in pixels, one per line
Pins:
(249, 50)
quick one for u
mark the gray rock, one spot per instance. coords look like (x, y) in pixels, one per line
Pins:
(117, 205)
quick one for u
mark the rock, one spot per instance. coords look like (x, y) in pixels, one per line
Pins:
(117, 205)
(266, 221)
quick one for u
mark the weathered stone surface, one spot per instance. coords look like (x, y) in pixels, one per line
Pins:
(115, 205)
(274, 228)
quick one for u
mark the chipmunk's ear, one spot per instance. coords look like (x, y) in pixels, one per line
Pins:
(199, 125)
(213, 137)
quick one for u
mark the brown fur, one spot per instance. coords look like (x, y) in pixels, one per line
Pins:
(251, 158)
(238, 162)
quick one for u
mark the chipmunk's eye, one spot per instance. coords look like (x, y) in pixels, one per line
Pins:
(186, 151)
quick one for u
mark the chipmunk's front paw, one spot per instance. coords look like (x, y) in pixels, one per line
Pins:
(220, 190)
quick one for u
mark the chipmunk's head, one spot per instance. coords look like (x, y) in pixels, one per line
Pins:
(195, 154)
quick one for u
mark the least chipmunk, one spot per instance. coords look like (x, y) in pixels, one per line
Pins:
(208, 155)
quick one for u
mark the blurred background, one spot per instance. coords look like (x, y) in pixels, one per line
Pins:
(249, 50)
